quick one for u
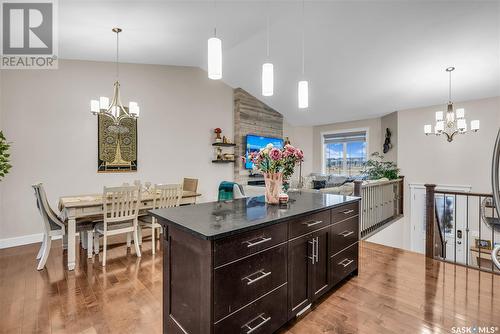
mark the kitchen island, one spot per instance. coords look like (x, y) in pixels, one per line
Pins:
(244, 266)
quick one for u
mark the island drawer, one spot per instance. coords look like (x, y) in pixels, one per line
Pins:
(344, 234)
(242, 282)
(343, 263)
(344, 212)
(265, 315)
(309, 223)
(236, 247)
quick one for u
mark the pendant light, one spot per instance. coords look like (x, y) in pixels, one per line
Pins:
(453, 122)
(215, 52)
(115, 110)
(303, 84)
(267, 68)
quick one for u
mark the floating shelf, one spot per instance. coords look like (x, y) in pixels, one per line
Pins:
(222, 161)
(224, 144)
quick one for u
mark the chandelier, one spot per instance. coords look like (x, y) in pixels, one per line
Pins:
(115, 110)
(454, 122)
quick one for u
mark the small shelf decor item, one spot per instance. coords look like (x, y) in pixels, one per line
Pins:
(277, 165)
(5, 166)
(218, 138)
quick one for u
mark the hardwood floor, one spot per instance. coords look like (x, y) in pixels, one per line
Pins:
(396, 292)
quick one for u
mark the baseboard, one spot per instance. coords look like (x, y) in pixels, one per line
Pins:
(22, 240)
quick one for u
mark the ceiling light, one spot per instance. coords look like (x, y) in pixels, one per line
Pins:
(455, 119)
(115, 110)
(267, 68)
(215, 52)
(303, 84)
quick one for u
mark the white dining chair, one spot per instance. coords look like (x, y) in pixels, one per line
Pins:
(165, 196)
(121, 208)
(52, 226)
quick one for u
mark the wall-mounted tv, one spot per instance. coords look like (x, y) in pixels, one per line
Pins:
(256, 143)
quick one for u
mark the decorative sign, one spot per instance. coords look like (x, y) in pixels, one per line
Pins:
(117, 145)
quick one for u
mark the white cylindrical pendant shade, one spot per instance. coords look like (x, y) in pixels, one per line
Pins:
(460, 113)
(461, 124)
(303, 94)
(427, 129)
(103, 102)
(474, 125)
(439, 126)
(267, 79)
(439, 116)
(214, 58)
(94, 106)
(133, 109)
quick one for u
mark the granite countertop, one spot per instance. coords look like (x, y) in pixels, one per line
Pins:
(215, 220)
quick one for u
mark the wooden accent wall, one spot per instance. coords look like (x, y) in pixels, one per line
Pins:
(252, 116)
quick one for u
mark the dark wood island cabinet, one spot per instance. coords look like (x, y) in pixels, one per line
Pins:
(244, 266)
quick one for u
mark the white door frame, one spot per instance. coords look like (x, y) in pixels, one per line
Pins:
(417, 226)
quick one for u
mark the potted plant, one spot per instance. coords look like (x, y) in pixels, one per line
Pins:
(217, 132)
(277, 166)
(5, 166)
(376, 168)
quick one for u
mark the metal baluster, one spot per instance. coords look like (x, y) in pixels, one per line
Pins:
(455, 225)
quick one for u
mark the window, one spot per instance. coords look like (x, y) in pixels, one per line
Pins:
(344, 153)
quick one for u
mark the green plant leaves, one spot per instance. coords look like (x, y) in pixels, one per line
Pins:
(377, 168)
(5, 166)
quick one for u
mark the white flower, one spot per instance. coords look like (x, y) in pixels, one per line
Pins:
(269, 146)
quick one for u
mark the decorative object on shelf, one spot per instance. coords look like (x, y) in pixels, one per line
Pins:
(217, 132)
(376, 168)
(482, 243)
(387, 142)
(115, 111)
(5, 165)
(455, 121)
(277, 165)
(220, 142)
(117, 145)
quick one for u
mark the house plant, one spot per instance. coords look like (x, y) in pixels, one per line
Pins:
(376, 168)
(277, 165)
(4, 156)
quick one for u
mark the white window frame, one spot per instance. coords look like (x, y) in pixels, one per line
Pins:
(333, 132)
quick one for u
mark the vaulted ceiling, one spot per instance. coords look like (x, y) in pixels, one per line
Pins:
(362, 58)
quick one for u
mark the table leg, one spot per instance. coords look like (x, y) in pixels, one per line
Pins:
(71, 243)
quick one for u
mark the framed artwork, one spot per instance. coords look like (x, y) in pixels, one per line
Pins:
(117, 145)
(482, 243)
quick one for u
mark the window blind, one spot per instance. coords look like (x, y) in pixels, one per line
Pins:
(337, 138)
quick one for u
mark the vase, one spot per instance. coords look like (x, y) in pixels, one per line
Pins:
(273, 187)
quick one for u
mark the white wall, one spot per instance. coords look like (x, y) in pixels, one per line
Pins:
(431, 159)
(390, 121)
(391, 235)
(301, 137)
(46, 116)
(374, 137)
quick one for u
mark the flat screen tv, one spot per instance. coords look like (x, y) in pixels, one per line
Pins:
(256, 143)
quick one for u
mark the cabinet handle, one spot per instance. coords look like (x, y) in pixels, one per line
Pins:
(346, 212)
(346, 233)
(312, 223)
(252, 329)
(313, 246)
(262, 274)
(344, 263)
(315, 253)
(256, 242)
(317, 249)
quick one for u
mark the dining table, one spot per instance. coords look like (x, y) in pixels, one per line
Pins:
(81, 208)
